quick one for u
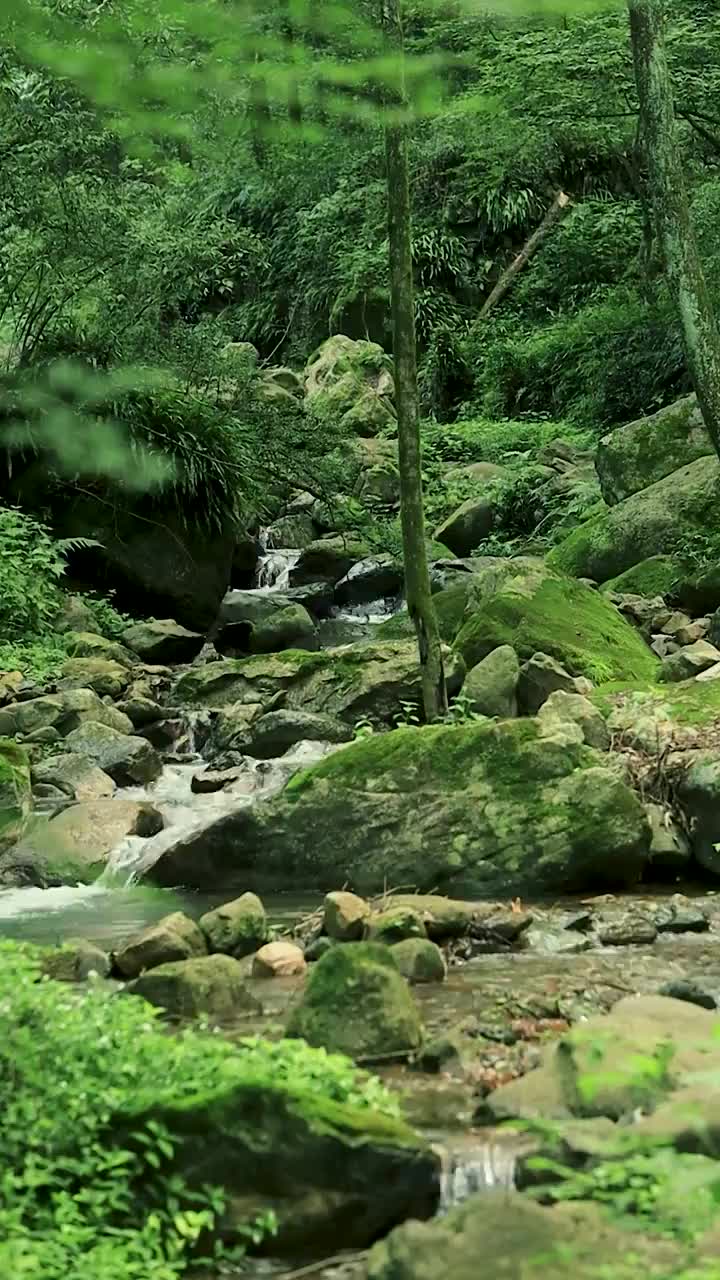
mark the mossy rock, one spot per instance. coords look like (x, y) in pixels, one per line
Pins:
(107, 678)
(357, 1002)
(449, 605)
(656, 521)
(656, 576)
(637, 455)
(534, 610)
(209, 986)
(477, 809)
(15, 792)
(350, 682)
(236, 928)
(328, 559)
(336, 1174)
(419, 960)
(692, 704)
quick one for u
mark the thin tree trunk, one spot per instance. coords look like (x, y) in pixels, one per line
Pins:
(557, 209)
(672, 211)
(417, 578)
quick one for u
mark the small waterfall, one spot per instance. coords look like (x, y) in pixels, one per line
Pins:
(274, 564)
(185, 811)
(482, 1164)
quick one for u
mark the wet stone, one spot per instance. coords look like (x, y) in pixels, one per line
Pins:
(691, 991)
(551, 940)
(680, 918)
(626, 930)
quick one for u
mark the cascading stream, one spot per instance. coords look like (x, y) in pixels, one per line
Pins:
(479, 1164)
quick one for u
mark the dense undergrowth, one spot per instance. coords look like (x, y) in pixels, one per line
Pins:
(76, 1200)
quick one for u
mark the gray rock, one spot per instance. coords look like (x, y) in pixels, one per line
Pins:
(542, 675)
(75, 961)
(689, 662)
(175, 937)
(126, 759)
(328, 560)
(163, 642)
(698, 792)
(573, 708)
(549, 940)
(669, 845)
(275, 733)
(344, 916)
(210, 986)
(374, 578)
(627, 929)
(491, 685)
(468, 525)
(695, 993)
(419, 960)
(237, 928)
(637, 455)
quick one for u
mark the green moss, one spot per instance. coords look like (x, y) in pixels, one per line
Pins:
(14, 790)
(568, 621)
(590, 539)
(690, 703)
(409, 758)
(655, 576)
(449, 606)
(357, 1002)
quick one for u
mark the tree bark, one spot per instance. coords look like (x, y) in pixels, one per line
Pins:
(557, 209)
(417, 577)
(671, 208)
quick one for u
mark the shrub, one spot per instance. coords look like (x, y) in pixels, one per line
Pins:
(73, 1204)
(31, 564)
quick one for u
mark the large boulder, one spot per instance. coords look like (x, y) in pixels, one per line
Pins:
(106, 678)
(207, 987)
(491, 808)
(15, 794)
(491, 685)
(277, 731)
(357, 1002)
(236, 928)
(75, 844)
(165, 566)
(175, 937)
(637, 455)
(611, 1065)
(655, 521)
(349, 682)
(371, 579)
(162, 641)
(471, 522)
(261, 622)
(87, 644)
(65, 712)
(337, 1173)
(126, 758)
(350, 383)
(509, 1236)
(328, 559)
(524, 604)
(76, 776)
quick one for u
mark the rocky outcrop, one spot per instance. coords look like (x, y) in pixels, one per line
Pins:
(639, 454)
(64, 712)
(482, 808)
(328, 559)
(349, 682)
(75, 844)
(524, 604)
(350, 383)
(250, 622)
(126, 758)
(654, 521)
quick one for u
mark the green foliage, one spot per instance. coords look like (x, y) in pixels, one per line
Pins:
(73, 1203)
(31, 565)
(660, 1187)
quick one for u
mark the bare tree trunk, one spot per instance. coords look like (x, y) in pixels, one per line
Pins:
(417, 577)
(671, 208)
(558, 208)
